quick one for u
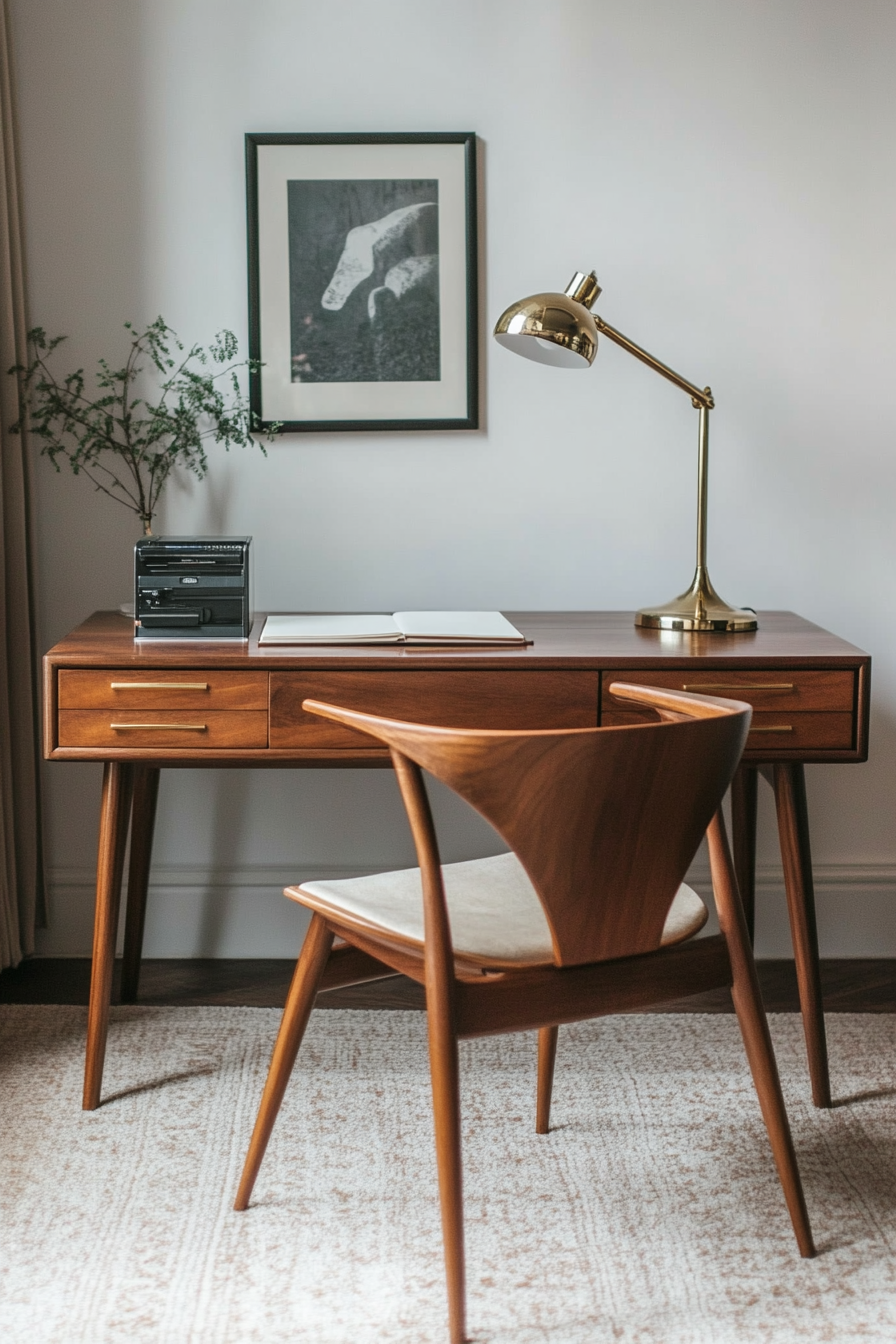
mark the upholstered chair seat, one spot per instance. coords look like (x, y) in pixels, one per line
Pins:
(494, 912)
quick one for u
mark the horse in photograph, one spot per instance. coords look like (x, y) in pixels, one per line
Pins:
(400, 252)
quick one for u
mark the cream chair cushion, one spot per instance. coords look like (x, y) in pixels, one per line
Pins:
(493, 909)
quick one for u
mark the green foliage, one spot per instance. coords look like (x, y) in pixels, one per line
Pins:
(124, 443)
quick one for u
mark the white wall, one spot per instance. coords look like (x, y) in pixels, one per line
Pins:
(729, 171)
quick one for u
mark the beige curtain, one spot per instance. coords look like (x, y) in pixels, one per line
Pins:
(21, 882)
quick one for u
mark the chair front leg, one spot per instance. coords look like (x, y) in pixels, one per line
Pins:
(547, 1055)
(299, 1002)
(754, 1028)
(442, 1025)
(443, 1064)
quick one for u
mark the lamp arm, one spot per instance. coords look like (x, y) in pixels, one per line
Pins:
(701, 593)
(700, 396)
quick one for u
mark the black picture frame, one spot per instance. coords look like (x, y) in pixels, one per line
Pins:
(363, 281)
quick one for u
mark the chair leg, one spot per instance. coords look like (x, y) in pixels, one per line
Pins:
(754, 1028)
(547, 1055)
(299, 1002)
(758, 1045)
(441, 1021)
(443, 1064)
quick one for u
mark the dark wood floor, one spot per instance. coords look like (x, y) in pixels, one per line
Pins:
(859, 986)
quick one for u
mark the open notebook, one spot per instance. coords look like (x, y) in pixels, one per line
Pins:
(404, 627)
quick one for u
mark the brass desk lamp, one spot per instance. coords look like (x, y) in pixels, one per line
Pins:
(560, 329)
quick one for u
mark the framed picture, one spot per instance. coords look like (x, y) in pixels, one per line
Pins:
(362, 281)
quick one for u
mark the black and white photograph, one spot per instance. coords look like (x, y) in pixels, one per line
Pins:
(363, 281)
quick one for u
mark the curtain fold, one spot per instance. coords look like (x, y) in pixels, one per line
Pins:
(21, 867)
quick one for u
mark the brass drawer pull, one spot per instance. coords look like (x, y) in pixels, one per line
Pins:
(740, 686)
(777, 728)
(159, 685)
(161, 727)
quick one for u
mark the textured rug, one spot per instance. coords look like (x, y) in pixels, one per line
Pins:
(650, 1215)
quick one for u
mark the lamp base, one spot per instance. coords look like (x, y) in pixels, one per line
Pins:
(700, 608)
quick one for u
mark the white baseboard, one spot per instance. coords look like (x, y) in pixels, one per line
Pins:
(855, 906)
(241, 912)
(191, 911)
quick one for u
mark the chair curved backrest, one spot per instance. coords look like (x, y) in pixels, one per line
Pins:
(605, 821)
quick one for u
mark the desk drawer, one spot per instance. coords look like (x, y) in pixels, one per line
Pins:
(152, 689)
(462, 699)
(772, 733)
(195, 731)
(783, 693)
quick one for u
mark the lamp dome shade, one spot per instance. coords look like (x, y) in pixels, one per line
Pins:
(553, 329)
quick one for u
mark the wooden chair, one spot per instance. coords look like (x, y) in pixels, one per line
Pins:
(586, 916)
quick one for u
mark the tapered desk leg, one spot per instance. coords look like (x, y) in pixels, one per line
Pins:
(143, 818)
(743, 837)
(118, 781)
(793, 830)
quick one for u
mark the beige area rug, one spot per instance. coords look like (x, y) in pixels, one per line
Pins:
(651, 1213)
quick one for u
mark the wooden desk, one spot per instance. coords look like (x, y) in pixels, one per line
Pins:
(138, 708)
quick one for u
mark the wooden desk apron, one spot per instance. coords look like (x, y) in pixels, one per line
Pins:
(189, 703)
(138, 709)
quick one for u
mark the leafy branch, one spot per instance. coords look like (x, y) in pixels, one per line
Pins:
(126, 445)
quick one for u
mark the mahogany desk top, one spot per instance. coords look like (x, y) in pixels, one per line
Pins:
(609, 638)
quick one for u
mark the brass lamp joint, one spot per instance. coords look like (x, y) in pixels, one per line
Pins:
(583, 288)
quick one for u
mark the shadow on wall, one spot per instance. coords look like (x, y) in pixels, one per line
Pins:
(229, 820)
